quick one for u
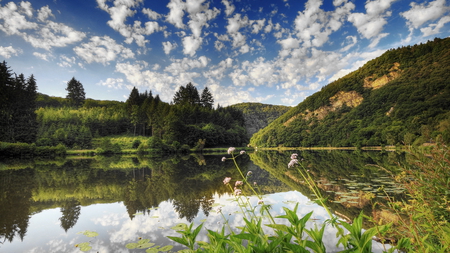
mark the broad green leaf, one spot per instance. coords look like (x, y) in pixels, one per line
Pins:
(132, 245)
(166, 248)
(145, 245)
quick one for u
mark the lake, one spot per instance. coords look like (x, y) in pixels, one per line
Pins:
(110, 202)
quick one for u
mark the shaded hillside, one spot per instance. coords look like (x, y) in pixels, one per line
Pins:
(257, 115)
(402, 96)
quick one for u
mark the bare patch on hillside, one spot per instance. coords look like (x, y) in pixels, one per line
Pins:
(349, 98)
(393, 74)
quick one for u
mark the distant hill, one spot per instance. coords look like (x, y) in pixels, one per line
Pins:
(257, 115)
(403, 96)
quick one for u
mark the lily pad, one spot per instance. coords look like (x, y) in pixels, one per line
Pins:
(132, 245)
(145, 245)
(179, 226)
(166, 248)
(152, 250)
(89, 233)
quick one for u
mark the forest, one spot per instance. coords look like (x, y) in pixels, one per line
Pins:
(399, 98)
(52, 124)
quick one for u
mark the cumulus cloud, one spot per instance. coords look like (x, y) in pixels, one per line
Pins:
(44, 35)
(422, 13)
(7, 52)
(121, 11)
(102, 50)
(371, 23)
(176, 13)
(229, 8)
(14, 19)
(168, 46)
(41, 56)
(314, 25)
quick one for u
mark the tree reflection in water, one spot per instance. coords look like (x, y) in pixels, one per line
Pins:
(189, 183)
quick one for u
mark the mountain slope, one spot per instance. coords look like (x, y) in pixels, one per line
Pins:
(401, 96)
(257, 115)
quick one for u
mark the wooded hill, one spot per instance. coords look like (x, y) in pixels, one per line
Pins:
(257, 116)
(403, 96)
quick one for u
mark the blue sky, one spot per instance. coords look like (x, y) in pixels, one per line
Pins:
(274, 52)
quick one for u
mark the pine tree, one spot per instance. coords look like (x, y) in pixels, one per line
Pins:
(207, 99)
(76, 94)
(187, 95)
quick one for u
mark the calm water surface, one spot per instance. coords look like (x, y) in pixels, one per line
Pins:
(46, 205)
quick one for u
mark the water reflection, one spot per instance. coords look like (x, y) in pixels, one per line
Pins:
(45, 203)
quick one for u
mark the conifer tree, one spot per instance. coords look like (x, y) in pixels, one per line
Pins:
(187, 95)
(207, 99)
(76, 94)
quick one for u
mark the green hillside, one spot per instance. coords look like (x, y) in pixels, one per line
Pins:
(257, 116)
(402, 96)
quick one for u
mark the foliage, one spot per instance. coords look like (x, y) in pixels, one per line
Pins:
(412, 106)
(25, 149)
(424, 218)
(75, 93)
(17, 105)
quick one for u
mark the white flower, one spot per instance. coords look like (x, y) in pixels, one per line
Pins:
(231, 150)
(292, 163)
(223, 159)
(242, 152)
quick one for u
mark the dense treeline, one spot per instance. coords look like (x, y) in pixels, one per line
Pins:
(17, 106)
(29, 117)
(402, 96)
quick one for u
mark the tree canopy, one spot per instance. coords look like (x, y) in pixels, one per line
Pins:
(76, 94)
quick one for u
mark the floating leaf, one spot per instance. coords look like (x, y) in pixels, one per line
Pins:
(132, 245)
(142, 241)
(203, 220)
(85, 246)
(166, 248)
(152, 250)
(155, 217)
(88, 233)
(145, 245)
(180, 226)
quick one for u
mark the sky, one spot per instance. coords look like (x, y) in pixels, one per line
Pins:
(273, 52)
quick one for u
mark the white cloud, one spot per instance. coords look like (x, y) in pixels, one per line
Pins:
(168, 46)
(420, 13)
(14, 19)
(7, 52)
(314, 25)
(44, 57)
(229, 8)
(176, 13)
(44, 13)
(433, 29)
(151, 14)
(119, 14)
(191, 44)
(371, 24)
(180, 66)
(102, 50)
(115, 83)
(54, 35)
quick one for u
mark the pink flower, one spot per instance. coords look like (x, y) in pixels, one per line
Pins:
(294, 156)
(260, 202)
(249, 173)
(254, 183)
(227, 180)
(223, 159)
(237, 192)
(292, 163)
(238, 183)
(231, 150)
(242, 152)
